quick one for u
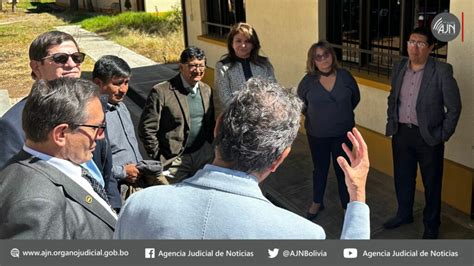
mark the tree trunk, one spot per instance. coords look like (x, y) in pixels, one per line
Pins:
(14, 6)
(74, 5)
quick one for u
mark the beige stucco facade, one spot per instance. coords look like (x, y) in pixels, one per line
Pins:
(288, 27)
(109, 5)
(461, 55)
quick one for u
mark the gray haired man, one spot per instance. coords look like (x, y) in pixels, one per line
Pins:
(223, 201)
(46, 191)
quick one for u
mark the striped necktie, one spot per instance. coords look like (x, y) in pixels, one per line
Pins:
(95, 185)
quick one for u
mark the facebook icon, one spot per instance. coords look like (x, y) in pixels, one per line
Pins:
(149, 253)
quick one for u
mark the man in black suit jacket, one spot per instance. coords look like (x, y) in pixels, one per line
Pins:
(45, 190)
(424, 106)
(52, 55)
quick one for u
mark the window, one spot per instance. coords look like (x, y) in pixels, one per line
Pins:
(221, 15)
(370, 34)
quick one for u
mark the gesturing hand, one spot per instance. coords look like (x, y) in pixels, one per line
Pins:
(355, 173)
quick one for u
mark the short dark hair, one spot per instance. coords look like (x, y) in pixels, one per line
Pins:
(40, 45)
(110, 66)
(190, 53)
(430, 39)
(54, 102)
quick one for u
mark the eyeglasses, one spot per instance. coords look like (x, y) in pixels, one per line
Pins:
(100, 128)
(321, 57)
(419, 44)
(194, 67)
(62, 58)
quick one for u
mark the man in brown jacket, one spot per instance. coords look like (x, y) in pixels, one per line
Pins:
(176, 126)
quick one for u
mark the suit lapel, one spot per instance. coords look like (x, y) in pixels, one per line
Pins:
(180, 93)
(71, 189)
(398, 84)
(425, 81)
(204, 95)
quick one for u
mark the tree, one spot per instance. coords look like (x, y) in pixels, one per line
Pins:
(128, 5)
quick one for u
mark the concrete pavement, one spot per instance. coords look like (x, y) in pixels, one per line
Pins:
(96, 47)
(4, 102)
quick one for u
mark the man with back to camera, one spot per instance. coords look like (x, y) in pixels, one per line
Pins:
(55, 54)
(223, 200)
(424, 107)
(178, 118)
(45, 191)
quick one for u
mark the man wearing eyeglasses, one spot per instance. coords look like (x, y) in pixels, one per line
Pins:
(55, 54)
(424, 106)
(45, 190)
(176, 126)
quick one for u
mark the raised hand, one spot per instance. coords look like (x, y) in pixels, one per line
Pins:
(355, 173)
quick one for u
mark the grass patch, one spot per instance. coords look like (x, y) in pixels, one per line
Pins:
(32, 4)
(159, 48)
(17, 31)
(158, 36)
(139, 32)
(151, 23)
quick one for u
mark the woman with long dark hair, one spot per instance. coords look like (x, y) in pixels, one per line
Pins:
(241, 62)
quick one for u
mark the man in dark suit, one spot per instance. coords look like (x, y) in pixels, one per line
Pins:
(45, 190)
(424, 106)
(176, 126)
(52, 55)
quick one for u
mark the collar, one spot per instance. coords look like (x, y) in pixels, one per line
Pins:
(188, 87)
(421, 69)
(228, 180)
(73, 171)
(67, 167)
(113, 107)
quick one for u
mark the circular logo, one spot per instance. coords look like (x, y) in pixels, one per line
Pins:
(445, 27)
(88, 199)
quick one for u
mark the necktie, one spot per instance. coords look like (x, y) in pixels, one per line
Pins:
(95, 185)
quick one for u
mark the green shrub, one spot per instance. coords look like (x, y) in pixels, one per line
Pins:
(152, 23)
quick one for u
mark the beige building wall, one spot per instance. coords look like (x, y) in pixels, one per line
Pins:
(461, 55)
(285, 38)
(100, 5)
(195, 14)
(150, 5)
(286, 29)
(371, 112)
(161, 5)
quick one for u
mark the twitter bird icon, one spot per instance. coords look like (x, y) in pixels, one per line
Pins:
(273, 253)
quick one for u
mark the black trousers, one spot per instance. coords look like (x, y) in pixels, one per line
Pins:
(322, 149)
(409, 150)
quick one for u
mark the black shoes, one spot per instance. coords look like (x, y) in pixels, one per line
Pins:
(396, 221)
(430, 234)
(312, 216)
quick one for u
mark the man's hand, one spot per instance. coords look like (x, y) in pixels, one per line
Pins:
(132, 173)
(356, 173)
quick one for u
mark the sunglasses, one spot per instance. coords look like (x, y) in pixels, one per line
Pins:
(62, 58)
(321, 57)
